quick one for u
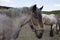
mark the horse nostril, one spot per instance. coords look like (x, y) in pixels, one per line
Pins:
(39, 36)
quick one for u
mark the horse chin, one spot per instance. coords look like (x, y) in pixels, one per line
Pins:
(39, 35)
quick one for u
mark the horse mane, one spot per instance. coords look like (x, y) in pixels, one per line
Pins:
(14, 12)
(5, 7)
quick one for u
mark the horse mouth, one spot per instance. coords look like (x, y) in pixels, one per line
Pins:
(39, 36)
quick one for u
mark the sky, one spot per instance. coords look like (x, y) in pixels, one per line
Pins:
(49, 5)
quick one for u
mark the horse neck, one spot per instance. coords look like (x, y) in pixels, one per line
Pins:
(19, 16)
(22, 20)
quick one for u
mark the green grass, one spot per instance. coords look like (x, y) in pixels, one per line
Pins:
(52, 12)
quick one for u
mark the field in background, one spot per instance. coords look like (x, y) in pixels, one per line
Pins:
(52, 12)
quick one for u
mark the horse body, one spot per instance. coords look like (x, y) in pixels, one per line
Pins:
(10, 25)
(50, 20)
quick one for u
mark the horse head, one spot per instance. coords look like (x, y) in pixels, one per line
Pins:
(36, 22)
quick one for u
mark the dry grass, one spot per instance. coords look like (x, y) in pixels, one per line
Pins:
(27, 34)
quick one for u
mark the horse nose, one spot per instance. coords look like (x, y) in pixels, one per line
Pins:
(39, 34)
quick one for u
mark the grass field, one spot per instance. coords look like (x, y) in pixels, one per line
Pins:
(27, 34)
(52, 12)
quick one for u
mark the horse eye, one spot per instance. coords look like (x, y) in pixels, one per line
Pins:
(35, 16)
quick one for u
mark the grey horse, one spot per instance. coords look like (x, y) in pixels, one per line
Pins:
(13, 19)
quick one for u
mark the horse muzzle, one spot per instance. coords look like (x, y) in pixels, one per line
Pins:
(39, 34)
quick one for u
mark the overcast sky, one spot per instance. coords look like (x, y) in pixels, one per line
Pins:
(49, 5)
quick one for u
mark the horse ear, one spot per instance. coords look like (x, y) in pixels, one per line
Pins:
(34, 8)
(41, 8)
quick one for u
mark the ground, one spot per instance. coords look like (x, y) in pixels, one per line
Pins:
(27, 34)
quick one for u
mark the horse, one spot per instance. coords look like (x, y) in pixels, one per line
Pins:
(34, 22)
(13, 19)
(50, 20)
(58, 28)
